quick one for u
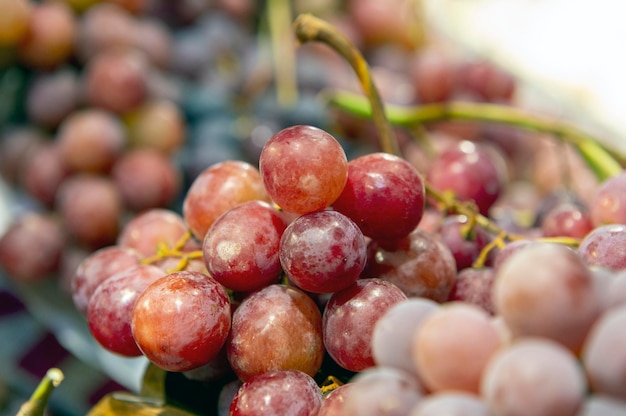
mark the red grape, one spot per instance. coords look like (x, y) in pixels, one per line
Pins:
(350, 317)
(217, 189)
(304, 169)
(282, 392)
(323, 252)
(31, 247)
(384, 196)
(419, 264)
(110, 308)
(276, 328)
(181, 321)
(96, 268)
(241, 249)
(605, 247)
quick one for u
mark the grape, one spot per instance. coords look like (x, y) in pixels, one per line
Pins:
(382, 391)
(384, 196)
(16, 147)
(31, 247)
(323, 252)
(276, 328)
(433, 75)
(110, 308)
(43, 173)
(511, 247)
(450, 404)
(304, 169)
(475, 286)
(241, 249)
(157, 124)
(608, 205)
(150, 229)
(350, 317)
(533, 377)
(603, 354)
(472, 172)
(116, 80)
(217, 189)
(334, 402)
(49, 40)
(546, 290)
(14, 21)
(282, 392)
(94, 269)
(147, 179)
(604, 247)
(464, 245)
(52, 97)
(487, 81)
(91, 209)
(91, 140)
(616, 291)
(567, 220)
(419, 264)
(181, 321)
(153, 37)
(393, 333)
(104, 26)
(457, 335)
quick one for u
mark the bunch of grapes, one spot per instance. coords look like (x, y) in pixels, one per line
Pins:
(312, 272)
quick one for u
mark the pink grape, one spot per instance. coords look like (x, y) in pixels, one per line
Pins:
(304, 169)
(605, 246)
(457, 335)
(450, 403)
(604, 354)
(323, 252)
(382, 390)
(392, 337)
(547, 290)
(534, 376)
(608, 205)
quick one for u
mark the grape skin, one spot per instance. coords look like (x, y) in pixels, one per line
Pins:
(304, 169)
(323, 252)
(286, 392)
(241, 249)
(604, 356)
(534, 377)
(547, 290)
(276, 328)
(349, 319)
(455, 336)
(180, 322)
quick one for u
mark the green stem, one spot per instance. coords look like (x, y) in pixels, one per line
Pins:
(599, 159)
(37, 403)
(309, 28)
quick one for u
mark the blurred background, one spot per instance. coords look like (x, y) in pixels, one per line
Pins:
(158, 90)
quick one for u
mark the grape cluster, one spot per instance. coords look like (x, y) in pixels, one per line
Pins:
(305, 271)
